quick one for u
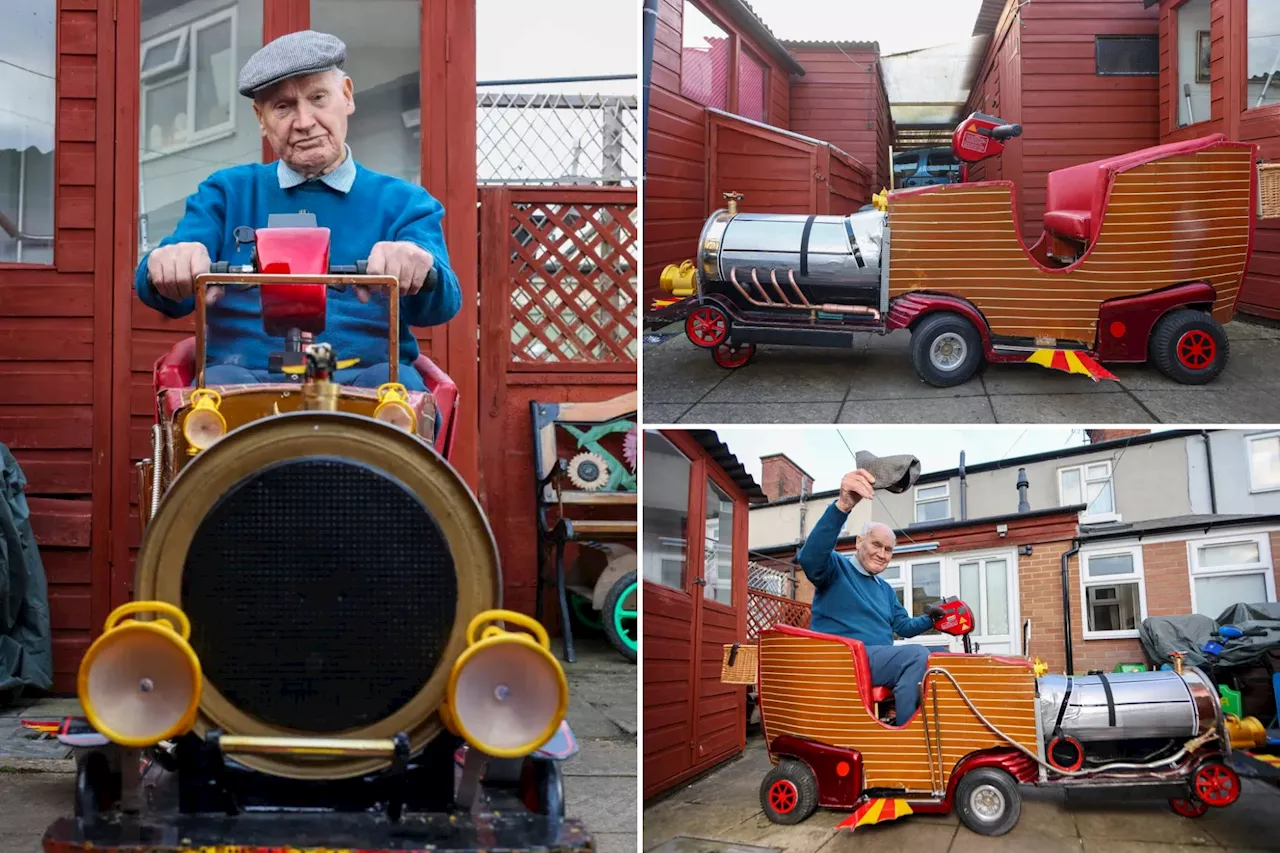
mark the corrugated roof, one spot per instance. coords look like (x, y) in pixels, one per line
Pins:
(842, 45)
(988, 17)
(742, 14)
(724, 457)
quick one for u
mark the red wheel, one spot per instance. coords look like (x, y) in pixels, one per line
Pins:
(730, 356)
(1216, 784)
(783, 796)
(1188, 808)
(1196, 349)
(707, 326)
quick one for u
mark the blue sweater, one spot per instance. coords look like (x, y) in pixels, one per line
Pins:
(849, 603)
(378, 207)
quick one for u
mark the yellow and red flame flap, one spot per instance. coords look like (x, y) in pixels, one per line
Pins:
(875, 811)
(1070, 361)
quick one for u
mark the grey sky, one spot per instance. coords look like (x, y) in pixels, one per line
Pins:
(819, 451)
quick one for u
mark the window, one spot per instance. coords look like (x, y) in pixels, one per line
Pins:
(933, 503)
(1264, 462)
(984, 586)
(28, 43)
(1089, 484)
(1263, 56)
(717, 564)
(1193, 61)
(188, 84)
(667, 477)
(916, 585)
(1227, 571)
(704, 60)
(1113, 593)
(1127, 56)
(752, 76)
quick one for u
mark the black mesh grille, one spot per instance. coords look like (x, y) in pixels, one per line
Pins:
(321, 594)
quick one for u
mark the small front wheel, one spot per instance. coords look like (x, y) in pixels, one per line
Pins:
(1189, 346)
(988, 801)
(946, 349)
(620, 614)
(707, 326)
(731, 356)
(789, 792)
(1188, 807)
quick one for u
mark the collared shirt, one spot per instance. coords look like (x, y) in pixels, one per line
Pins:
(340, 178)
(853, 558)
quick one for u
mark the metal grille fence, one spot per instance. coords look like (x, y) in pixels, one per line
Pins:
(540, 131)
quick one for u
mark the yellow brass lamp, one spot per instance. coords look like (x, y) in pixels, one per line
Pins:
(393, 407)
(204, 424)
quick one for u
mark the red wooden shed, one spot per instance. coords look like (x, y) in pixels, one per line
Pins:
(694, 592)
(1220, 73)
(126, 107)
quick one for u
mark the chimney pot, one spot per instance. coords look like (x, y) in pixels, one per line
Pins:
(1023, 504)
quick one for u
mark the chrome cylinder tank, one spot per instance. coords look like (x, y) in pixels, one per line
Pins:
(1124, 705)
(806, 249)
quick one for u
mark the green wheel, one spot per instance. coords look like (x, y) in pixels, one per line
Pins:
(585, 613)
(621, 615)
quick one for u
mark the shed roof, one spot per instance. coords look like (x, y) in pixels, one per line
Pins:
(928, 88)
(723, 456)
(741, 13)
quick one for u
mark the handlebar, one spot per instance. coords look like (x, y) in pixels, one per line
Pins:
(1006, 131)
(360, 267)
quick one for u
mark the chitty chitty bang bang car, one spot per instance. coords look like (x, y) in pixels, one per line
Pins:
(986, 725)
(316, 659)
(1141, 259)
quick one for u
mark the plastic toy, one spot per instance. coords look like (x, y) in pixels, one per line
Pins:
(317, 657)
(986, 724)
(1141, 259)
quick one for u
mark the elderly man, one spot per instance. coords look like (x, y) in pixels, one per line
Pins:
(302, 100)
(852, 600)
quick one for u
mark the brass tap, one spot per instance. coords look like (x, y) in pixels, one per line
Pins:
(733, 198)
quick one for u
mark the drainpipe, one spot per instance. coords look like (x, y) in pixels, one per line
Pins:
(650, 34)
(1208, 455)
(1066, 600)
(964, 504)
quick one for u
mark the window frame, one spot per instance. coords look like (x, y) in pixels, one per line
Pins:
(1247, 112)
(1083, 468)
(946, 484)
(1137, 576)
(1255, 489)
(1118, 37)
(688, 541)
(188, 44)
(55, 194)
(711, 482)
(737, 46)
(1264, 566)
(1174, 112)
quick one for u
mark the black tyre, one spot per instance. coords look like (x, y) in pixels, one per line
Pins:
(946, 349)
(1189, 346)
(620, 615)
(789, 792)
(541, 787)
(988, 801)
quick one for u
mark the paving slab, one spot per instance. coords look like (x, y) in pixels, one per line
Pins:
(798, 385)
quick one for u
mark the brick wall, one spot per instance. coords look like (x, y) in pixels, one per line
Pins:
(782, 478)
(1097, 435)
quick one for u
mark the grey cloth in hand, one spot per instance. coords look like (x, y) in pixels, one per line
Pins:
(895, 473)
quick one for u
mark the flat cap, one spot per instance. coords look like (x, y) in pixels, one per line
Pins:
(895, 473)
(305, 52)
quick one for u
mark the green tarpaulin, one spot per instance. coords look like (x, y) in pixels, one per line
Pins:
(26, 644)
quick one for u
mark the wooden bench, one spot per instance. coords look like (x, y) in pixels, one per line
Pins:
(582, 474)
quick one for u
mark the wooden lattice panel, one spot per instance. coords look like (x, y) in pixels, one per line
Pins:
(808, 688)
(765, 610)
(1180, 219)
(573, 282)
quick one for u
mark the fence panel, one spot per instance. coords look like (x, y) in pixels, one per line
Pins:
(765, 610)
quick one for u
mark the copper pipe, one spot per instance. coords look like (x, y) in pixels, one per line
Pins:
(768, 299)
(830, 308)
(791, 277)
(773, 277)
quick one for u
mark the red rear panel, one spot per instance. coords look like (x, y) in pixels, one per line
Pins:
(293, 251)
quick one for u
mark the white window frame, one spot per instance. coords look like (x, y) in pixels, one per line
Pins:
(188, 39)
(946, 485)
(1254, 488)
(1082, 469)
(1138, 576)
(1263, 567)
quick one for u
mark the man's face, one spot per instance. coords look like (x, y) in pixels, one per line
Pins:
(305, 120)
(875, 549)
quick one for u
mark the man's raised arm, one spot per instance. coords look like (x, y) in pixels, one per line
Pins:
(818, 558)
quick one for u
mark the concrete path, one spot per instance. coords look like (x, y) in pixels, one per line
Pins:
(875, 383)
(37, 781)
(725, 806)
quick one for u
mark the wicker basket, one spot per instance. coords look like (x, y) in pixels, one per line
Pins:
(1269, 190)
(743, 668)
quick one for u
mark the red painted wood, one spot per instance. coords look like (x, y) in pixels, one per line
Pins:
(841, 99)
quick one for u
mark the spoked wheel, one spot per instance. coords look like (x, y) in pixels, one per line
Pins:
(988, 801)
(1188, 807)
(620, 614)
(1215, 784)
(582, 610)
(730, 356)
(789, 792)
(707, 326)
(1189, 347)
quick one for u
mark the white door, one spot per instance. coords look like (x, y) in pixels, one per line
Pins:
(986, 581)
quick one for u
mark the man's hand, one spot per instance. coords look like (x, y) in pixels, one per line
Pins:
(408, 262)
(934, 612)
(855, 486)
(173, 270)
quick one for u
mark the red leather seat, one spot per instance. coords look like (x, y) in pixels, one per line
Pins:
(1075, 197)
(175, 371)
